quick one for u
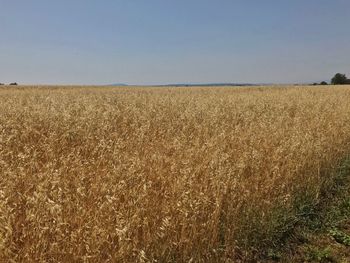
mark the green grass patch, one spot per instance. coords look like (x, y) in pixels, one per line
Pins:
(321, 232)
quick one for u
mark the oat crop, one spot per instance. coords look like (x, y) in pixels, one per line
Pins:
(137, 174)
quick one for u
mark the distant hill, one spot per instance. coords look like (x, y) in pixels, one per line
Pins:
(206, 84)
(118, 84)
(193, 84)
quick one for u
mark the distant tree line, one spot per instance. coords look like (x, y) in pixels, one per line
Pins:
(340, 79)
(321, 83)
(12, 84)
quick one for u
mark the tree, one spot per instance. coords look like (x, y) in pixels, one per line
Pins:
(339, 79)
(13, 84)
(321, 83)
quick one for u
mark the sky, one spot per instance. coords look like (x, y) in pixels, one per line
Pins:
(149, 42)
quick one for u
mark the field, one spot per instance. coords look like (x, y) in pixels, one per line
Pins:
(133, 174)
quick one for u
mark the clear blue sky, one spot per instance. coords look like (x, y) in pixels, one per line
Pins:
(173, 41)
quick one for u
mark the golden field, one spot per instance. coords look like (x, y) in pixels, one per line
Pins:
(132, 174)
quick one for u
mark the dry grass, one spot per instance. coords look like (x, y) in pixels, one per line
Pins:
(166, 174)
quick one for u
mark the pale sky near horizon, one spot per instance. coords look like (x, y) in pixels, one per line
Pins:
(173, 41)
